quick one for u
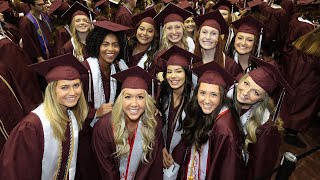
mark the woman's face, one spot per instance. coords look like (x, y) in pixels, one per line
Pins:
(189, 24)
(176, 77)
(244, 43)
(81, 23)
(145, 33)
(208, 97)
(68, 92)
(174, 31)
(208, 37)
(134, 103)
(109, 48)
(225, 14)
(248, 92)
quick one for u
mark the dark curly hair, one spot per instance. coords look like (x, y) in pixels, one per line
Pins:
(95, 39)
(154, 45)
(166, 91)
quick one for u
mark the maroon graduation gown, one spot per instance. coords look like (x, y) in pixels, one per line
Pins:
(21, 157)
(263, 154)
(302, 73)
(124, 17)
(16, 60)
(30, 40)
(61, 37)
(224, 158)
(134, 59)
(12, 32)
(104, 147)
(68, 48)
(13, 106)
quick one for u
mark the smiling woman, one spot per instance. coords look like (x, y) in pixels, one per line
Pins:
(53, 127)
(128, 142)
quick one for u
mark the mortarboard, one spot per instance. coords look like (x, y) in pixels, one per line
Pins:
(4, 5)
(146, 16)
(178, 56)
(78, 9)
(186, 5)
(134, 78)
(250, 25)
(59, 7)
(254, 3)
(101, 4)
(213, 19)
(213, 73)
(64, 67)
(268, 76)
(225, 5)
(108, 25)
(172, 13)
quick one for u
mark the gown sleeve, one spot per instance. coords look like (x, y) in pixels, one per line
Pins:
(21, 157)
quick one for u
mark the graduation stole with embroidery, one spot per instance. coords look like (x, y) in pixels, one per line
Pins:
(42, 39)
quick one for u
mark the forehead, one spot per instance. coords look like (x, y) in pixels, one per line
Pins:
(133, 91)
(110, 37)
(208, 87)
(208, 28)
(67, 82)
(173, 23)
(39, 2)
(253, 84)
(189, 19)
(80, 17)
(173, 67)
(247, 35)
(146, 25)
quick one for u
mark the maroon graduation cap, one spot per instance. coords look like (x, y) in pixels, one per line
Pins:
(178, 56)
(78, 9)
(146, 16)
(213, 19)
(250, 25)
(172, 13)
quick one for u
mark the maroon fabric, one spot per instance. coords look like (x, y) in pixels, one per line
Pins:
(158, 65)
(68, 48)
(16, 61)
(274, 20)
(225, 159)
(61, 37)
(65, 153)
(124, 17)
(232, 67)
(134, 59)
(18, 152)
(263, 154)
(12, 32)
(104, 147)
(30, 40)
(302, 73)
(11, 112)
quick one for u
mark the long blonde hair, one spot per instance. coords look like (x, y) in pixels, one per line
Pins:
(148, 126)
(309, 43)
(79, 48)
(256, 117)
(166, 43)
(57, 116)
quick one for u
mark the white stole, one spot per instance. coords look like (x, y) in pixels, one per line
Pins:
(128, 171)
(52, 147)
(80, 58)
(191, 44)
(246, 116)
(143, 59)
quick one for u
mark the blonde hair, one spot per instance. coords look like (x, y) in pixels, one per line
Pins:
(255, 119)
(166, 43)
(57, 116)
(148, 126)
(309, 43)
(79, 48)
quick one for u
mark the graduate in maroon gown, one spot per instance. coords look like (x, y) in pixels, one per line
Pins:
(209, 43)
(210, 129)
(48, 137)
(80, 17)
(171, 19)
(176, 90)
(14, 104)
(145, 42)
(61, 32)
(128, 142)
(246, 41)
(259, 116)
(125, 13)
(35, 29)
(302, 73)
(16, 61)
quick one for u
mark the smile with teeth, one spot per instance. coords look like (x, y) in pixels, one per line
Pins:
(71, 98)
(174, 82)
(207, 106)
(133, 111)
